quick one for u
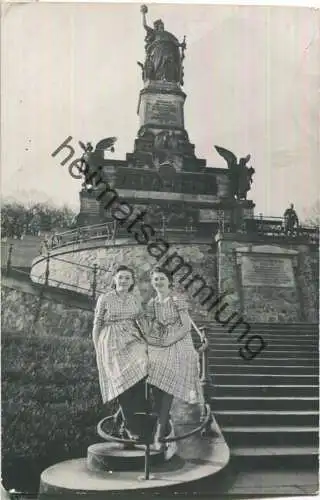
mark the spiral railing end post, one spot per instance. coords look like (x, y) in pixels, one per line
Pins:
(94, 281)
(47, 271)
(9, 259)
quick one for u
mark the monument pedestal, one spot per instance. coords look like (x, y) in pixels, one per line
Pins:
(90, 208)
(196, 458)
(162, 138)
(161, 105)
(114, 457)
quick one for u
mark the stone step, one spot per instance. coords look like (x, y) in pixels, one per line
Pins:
(262, 378)
(268, 347)
(196, 459)
(271, 346)
(264, 390)
(266, 417)
(274, 450)
(233, 337)
(265, 335)
(266, 361)
(216, 327)
(304, 324)
(267, 353)
(297, 457)
(267, 407)
(277, 327)
(245, 368)
(270, 436)
(213, 324)
(285, 328)
(219, 403)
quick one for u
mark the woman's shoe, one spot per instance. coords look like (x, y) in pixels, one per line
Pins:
(169, 449)
(130, 435)
(156, 443)
(171, 446)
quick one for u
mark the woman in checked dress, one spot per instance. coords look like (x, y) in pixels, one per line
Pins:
(173, 361)
(120, 350)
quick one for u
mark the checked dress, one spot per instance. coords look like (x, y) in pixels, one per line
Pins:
(121, 353)
(173, 369)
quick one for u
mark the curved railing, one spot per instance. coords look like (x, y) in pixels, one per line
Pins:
(92, 291)
(271, 226)
(259, 225)
(106, 230)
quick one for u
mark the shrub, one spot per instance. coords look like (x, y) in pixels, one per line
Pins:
(50, 404)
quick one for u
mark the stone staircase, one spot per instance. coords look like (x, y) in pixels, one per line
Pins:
(267, 408)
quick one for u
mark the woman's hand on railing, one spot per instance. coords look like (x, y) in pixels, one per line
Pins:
(204, 345)
(201, 332)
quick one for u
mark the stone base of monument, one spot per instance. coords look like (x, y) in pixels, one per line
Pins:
(196, 457)
(113, 456)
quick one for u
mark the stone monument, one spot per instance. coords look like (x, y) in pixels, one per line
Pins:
(199, 212)
(163, 172)
(162, 138)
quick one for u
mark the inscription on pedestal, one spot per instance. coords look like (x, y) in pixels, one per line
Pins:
(161, 110)
(267, 270)
(90, 205)
(208, 215)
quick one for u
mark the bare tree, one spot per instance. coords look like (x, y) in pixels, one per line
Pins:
(313, 215)
(19, 218)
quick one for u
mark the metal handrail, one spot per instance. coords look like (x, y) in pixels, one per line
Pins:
(110, 437)
(76, 235)
(204, 423)
(280, 220)
(203, 338)
(206, 416)
(76, 287)
(75, 263)
(75, 230)
(109, 230)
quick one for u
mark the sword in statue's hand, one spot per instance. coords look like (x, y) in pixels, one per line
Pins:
(183, 48)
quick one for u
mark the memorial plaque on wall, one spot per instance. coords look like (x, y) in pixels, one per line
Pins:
(267, 269)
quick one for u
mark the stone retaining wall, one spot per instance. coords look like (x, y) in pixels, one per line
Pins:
(74, 270)
(24, 312)
(271, 304)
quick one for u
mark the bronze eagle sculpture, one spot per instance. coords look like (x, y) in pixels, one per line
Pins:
(240, 174)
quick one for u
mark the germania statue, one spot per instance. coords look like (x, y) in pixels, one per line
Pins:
(163, 56)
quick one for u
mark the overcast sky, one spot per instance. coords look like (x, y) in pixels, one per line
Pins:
(252, 81)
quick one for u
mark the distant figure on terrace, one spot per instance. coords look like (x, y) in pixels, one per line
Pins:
(54, 240)
(291, 221)
(44, 246)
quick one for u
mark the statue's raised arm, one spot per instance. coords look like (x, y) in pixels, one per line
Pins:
(144, 10)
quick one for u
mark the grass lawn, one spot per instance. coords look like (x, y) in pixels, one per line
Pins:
(24, 251)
